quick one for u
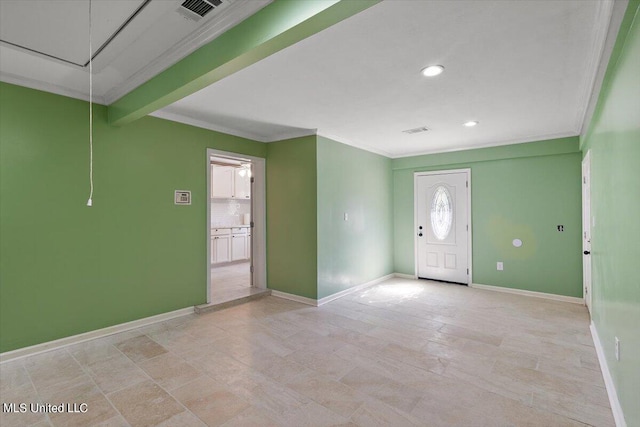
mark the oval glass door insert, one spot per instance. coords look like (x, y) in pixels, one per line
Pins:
(441, 213)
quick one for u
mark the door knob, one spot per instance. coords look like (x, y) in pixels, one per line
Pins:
(586, 252)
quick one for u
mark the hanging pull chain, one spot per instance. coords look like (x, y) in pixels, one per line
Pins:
(90, 201)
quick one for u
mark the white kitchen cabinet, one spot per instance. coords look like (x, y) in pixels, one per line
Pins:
(242, 184)
(222, 181)
(238, 243)
(221, 249)
(220, 245)
(230, 244)
(238, 247)
(227, 182)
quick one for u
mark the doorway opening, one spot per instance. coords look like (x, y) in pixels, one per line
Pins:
(442, 201)
(236, 266)
(586, 230)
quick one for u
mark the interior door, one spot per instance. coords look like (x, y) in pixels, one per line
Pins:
(442, 221)
(586, 229)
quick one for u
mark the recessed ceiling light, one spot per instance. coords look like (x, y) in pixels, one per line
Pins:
(471, 123)
(432, 70)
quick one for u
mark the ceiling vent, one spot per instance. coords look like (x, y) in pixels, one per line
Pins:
(416, 130)
(196, 9)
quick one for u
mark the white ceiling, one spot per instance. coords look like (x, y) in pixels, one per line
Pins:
(33, 32)
(61, 29)
(524, 69)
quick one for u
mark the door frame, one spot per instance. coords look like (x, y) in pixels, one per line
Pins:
(258, 217)
(587, 277)
(466, 171)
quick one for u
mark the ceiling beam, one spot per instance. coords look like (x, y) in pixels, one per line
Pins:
(273, 28)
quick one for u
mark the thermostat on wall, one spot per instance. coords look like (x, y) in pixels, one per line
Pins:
(182, 197)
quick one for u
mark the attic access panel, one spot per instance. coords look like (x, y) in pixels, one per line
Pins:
(60, 29)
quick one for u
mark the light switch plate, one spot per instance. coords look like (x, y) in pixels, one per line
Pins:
(500, 266)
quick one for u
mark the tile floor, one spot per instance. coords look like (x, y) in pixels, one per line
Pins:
(402, 353)
(230, 282)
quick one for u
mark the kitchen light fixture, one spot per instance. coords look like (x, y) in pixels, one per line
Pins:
(471, 124)
(432, 70)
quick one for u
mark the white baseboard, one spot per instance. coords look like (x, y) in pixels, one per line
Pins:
(98, 333)
(321, 301)
(618, 415)
(353, 289)
(404, 276)
(544, 295)
(292, 297)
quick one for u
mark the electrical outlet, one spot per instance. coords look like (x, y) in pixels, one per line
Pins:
(617, 349)
(500, 266)
(346, 216)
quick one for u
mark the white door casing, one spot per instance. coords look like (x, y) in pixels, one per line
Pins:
(442, 225)
(258, 217)
(586, 230)
(258, 261)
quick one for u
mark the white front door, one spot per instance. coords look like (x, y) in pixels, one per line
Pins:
(442, 225)
(586, 229)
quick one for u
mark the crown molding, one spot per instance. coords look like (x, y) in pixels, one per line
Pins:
(523, 140)
(609, 33)
(296, 133)
(232, 15)
(49, 87)
(355, 144)
(204, 124)
(604, 12)
(293, 133)
(174, 117)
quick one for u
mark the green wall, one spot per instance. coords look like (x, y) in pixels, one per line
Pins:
(517, 191)
(311, 182)
(358, 250)
(291, 216)
(66, 268)
(614, 141)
